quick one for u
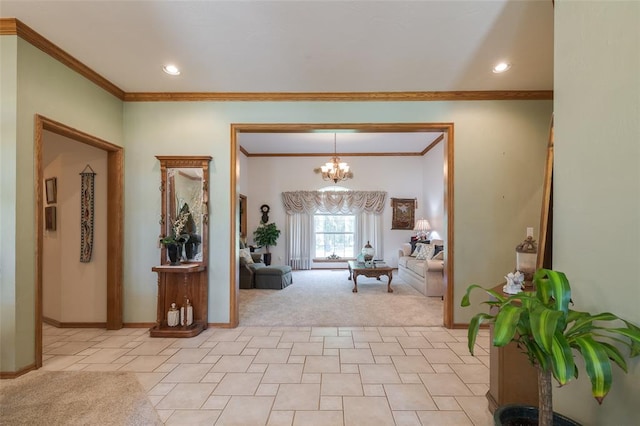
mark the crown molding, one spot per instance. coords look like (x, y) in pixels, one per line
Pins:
(13, 26)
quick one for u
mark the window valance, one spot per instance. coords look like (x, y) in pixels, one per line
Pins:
(354, 202)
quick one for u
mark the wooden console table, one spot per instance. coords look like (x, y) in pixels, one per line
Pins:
(175, 285)
(356, 269)
(512, 379)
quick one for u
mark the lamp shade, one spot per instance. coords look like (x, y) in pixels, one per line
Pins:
(422, 225)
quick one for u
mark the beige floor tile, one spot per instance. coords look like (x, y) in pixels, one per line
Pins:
(444, 418)
(79, 367)
(232, 364)
(441, 356)
(192, 342)
(310, 348)
(478, 388)
(166, 367)
(225, 335)
(149, 380)
(187, 373)
(285, 345)
(212, 378)
(283, 373)
(295, 336)
(462, 349)
(297, 359)
(361, 345)
(411, 364)
(297, 397)
(144, 363)
(438, 336)
(338, 384)
(446, 403)
(169, 351)
(113, 342)
(153, 347)
(270, 389)
(250, 351)
(392, 331)
(386, 349)
(193, 417)
(274, 356)
(257, 368)
(125, 359)
(155, 399)
(68, 348)
(318, 418)
(406, 418)
(413, 342)
(316, 339)
(322, 364)
(97, 367)
(89, 351)
(382, 359)
(356, 356)
(186, 396)
(105, 356)
(238, 384)
(311, 378)
(373, 390)
(246, 410)
(409, 397)
(331, 352)
(188, 355)
(468, 359)
(409, 378)
(228, 348)
(340, 342)
(164, 414)
(349, 368)
(472, 373)
(367, 411)
(445, 385)
(216, 402)
(161, 389)
(366, 336)
(210, 359)
(256, 331)
(281, 418)
(476, 409)
(379, 374)
(441, 368)
(331, 403)
(324, 331)
(263, 342)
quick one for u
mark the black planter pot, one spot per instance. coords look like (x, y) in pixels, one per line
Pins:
(267, 258)
(526, 415)
(175, 252)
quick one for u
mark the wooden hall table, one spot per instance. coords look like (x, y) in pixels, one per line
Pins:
(358, 268)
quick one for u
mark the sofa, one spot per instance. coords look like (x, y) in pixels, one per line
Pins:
(423, 271)
(254, 273)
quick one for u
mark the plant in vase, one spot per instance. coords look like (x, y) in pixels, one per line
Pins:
(549, 333)
(266, 235)
(178, 237)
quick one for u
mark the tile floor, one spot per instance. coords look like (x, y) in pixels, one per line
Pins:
(292, 375)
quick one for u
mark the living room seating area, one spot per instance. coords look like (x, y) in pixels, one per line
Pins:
(255, 274)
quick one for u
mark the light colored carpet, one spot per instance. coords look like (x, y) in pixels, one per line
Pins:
(324, 298)
(75, 398)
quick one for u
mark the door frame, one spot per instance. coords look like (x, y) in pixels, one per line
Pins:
(446, 128)
(115, 221)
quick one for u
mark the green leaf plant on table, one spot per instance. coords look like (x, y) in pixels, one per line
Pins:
(550, 334)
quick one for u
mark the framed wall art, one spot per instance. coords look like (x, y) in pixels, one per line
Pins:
(50, 218)
(51, 190)
(403, 213)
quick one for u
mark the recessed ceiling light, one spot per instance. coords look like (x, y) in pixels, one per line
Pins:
(501, 67)
(171, 69)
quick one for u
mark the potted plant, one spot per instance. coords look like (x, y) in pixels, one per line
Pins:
(177, 238)
(266, 235)
(550, 333)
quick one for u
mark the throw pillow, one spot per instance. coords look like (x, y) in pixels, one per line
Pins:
(245, 255)
(426, 251)
(437, 249)
(439, 255)
(415, 252)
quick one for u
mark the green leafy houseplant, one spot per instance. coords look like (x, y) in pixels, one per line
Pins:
(550, 333)
(266, 235)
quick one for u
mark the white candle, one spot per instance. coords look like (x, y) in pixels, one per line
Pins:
(530, 232)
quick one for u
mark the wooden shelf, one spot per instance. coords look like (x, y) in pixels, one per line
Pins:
(175, 285)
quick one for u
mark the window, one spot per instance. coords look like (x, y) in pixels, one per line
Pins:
(334, 235)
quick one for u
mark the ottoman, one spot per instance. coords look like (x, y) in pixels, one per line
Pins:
(273, 277)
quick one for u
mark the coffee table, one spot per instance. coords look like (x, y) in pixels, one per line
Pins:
(376, 271)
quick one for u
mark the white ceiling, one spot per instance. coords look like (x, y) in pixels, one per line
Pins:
(303, 46)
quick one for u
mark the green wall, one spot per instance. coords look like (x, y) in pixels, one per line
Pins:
(596, 238)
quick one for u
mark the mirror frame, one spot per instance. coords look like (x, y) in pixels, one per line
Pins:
(200, 162)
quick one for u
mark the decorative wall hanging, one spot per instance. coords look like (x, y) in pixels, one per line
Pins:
(51, 190)
(87, 177)
(403, 213)
(50, 218)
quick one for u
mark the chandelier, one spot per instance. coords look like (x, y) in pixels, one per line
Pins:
(335, 170)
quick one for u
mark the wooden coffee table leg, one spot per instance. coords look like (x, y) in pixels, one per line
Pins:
(389, 289)
(355, 283)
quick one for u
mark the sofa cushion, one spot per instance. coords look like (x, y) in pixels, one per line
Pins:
(417, 266)
(426, 252)
(245, 256)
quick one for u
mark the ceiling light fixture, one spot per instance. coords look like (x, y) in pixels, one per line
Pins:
(171, 69)
(335, 170)
(501, 67)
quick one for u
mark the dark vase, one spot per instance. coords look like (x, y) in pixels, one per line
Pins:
(189, 250)
(174, 251)
(526, 415)
(267, 258)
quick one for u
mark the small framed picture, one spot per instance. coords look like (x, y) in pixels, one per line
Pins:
(403, 213)
(50, 218)
(51, 190)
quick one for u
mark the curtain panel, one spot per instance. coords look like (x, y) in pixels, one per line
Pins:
(334, 202)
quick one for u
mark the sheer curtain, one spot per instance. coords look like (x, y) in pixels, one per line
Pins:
(300, 207)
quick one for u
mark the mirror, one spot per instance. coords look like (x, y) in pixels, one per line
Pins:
(185, 206)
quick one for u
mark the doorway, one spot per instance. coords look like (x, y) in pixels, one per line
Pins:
(115, 221)
(445, 128)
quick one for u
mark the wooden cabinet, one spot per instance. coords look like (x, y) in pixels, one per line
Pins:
(176, 284)
(512, 379)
